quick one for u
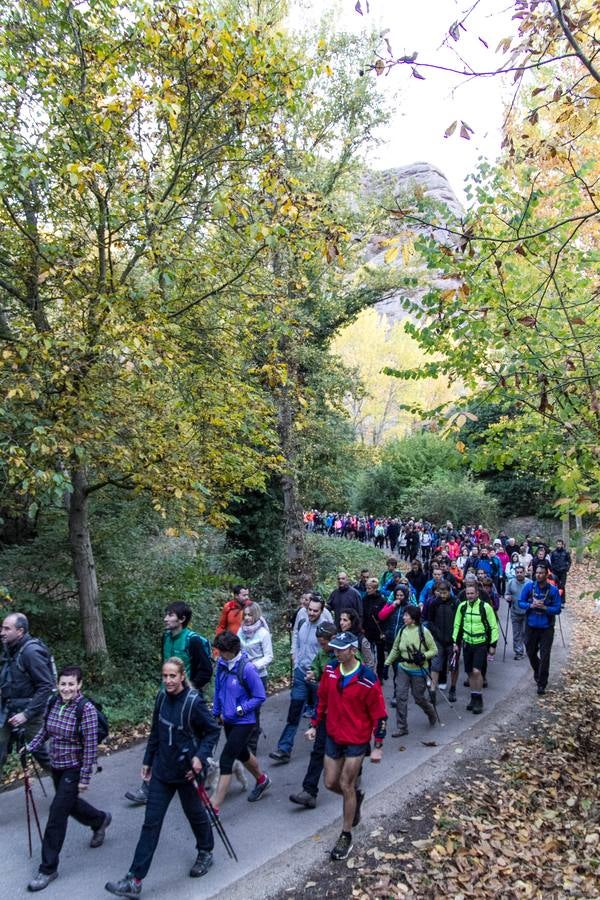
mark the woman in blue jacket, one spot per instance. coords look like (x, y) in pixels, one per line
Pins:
(239, 694)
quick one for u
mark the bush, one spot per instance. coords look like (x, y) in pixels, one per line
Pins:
(453, 497)
(403, 464)
(330, 555)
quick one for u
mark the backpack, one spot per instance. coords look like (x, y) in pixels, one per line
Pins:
(484, 622)
(187, 731)
(103, 726)
(241, 669)
(205, 643)
(52, 670)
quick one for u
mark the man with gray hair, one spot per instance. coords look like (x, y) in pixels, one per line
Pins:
(26, 682)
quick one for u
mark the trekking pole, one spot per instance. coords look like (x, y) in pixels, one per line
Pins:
(30, 806)
(507, 618)
(502, 631)
(38, 775)
(212, 814)
(562, 637)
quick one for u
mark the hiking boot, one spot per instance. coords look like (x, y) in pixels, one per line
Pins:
(343, 846)
(360, 796)
(126, 887)
(41, 881)
(541, 690)
(139, 796)
(280, 756)
(303, 798)
(518, 656)
(204, 861)
(432, 718)
(100, 833)
(477, 704)
(452, 695)
(443, 686)
(393, 703)
(400, 733)
(259, 789)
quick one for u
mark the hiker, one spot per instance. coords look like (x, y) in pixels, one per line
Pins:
(413, 649)
(514, 589)
(542, 603)
(27, 679)
(182, 737)
(560, 562)
(307, 797)
(232, 614)
(343, 597)
(239, 692)
(193, 650)
(71, 727)
(440, 621)
(351, 699)
(255, 639)
(304, 649)
(476, 631)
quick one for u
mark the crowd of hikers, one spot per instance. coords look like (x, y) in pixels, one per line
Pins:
(408, 626)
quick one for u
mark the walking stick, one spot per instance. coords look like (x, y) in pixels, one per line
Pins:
(562, 637)
(507, 618)
(29, 800)
(212, 814)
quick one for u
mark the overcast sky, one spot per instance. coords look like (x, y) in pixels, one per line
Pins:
(424, 109)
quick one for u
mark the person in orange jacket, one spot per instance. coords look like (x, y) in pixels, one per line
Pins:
(232, 614)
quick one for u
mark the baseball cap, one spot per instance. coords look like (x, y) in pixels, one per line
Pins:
(326, 629)
(343, 640)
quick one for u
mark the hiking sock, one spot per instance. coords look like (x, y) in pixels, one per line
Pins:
(262, 779)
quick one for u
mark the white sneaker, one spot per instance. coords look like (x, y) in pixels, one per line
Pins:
(442, 687)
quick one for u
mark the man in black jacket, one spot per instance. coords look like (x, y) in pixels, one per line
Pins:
(26, 683)
(440, 621)
(344, 597)
(560, 563)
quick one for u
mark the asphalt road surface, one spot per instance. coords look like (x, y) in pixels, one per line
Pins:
(275, 841)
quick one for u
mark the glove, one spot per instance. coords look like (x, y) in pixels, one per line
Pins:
(419, 658)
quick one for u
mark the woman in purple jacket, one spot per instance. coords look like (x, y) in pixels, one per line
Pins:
(239, 694)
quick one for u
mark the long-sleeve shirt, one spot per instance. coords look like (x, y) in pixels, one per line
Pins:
(304, 640)
(540, 618)
(181, 724)
(71, 747)
(258, 647)
(410, 640)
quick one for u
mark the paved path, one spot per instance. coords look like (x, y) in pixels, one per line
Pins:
(271, 836)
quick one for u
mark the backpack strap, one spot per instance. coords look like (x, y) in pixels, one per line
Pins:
(485, 622)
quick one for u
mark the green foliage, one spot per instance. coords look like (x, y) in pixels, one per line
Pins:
(332, 555)
(451, 496)
(403, 463)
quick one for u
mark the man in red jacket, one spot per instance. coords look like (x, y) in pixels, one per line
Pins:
(351, 698)
(232, 614)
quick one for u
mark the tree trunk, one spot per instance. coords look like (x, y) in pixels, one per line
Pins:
(298, 579)
(580, 540)
(94, 639)
(566, 530)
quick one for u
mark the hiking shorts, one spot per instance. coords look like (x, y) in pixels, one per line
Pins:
(339, 751)
(475, 656)
(236, 746)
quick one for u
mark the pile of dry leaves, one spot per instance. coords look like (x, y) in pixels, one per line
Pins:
(530, 828)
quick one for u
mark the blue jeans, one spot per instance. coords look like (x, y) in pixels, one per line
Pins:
(302, 693)
(160, 795)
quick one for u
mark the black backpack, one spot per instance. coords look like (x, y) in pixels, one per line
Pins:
(103, 726)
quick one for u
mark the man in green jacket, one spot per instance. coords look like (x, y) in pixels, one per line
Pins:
(476, 630)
